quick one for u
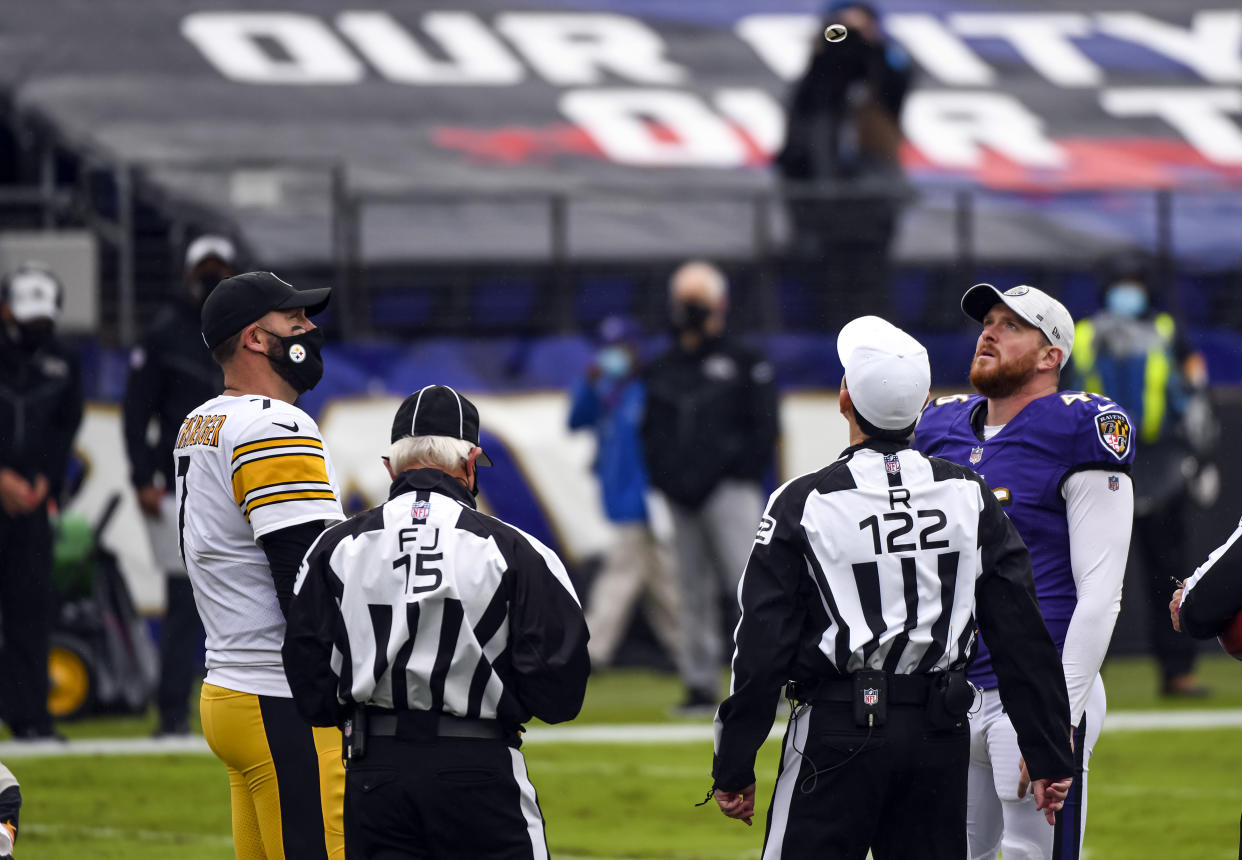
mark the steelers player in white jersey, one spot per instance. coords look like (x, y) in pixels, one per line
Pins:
(255, 488)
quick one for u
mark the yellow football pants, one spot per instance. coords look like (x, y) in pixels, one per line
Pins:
(285, 777)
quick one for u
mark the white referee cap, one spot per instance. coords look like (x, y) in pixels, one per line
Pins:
(886, 372)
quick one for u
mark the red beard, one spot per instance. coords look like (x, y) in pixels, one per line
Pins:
(1004, 378)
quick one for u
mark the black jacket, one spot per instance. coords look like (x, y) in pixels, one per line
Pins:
(170, 373)
(40, 409)
(710, 415)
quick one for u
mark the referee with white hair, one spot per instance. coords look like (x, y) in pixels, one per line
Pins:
(861, 597)
(436, 631)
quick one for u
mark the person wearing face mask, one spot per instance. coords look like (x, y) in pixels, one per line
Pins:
(254, 488)
(709, 433)
(1136, 354)
(171, 372)
(478, 630)
(40, 410)
(638, 563)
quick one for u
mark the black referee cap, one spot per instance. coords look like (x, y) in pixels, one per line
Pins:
(437, 410)
(238, 301)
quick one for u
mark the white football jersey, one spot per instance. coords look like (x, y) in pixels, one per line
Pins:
(246, 466)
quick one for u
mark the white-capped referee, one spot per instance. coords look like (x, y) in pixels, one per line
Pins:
(862, 593)
(439, 631)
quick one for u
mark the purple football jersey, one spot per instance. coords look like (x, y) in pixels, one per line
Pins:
(1026, 464)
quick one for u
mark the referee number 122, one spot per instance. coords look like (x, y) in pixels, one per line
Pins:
(904, 524)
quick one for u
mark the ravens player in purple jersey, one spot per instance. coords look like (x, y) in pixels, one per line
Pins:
(1059, 463)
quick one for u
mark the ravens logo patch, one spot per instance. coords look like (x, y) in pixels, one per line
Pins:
(1115, 433)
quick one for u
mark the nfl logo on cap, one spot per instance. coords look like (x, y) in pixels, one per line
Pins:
(420, 509)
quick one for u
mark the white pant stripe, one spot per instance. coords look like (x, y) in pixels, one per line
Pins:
(787, 784)
(530, 806)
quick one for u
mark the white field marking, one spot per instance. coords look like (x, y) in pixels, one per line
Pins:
(1234, 794)
(656, 733)
(126, 834)
(181, 838)
(657, 771)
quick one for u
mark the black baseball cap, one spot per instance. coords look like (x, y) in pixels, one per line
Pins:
(238, 301)
(437, 410)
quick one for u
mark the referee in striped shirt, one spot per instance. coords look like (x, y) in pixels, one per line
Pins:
(861, 597)
(439, 631)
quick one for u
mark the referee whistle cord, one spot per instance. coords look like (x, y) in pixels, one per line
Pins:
(812, 779)
(808, 783)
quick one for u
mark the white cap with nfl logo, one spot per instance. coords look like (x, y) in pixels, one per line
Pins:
(33, 293)
(1035, 306)
(886, 372)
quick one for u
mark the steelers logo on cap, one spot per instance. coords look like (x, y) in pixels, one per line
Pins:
(297, 353)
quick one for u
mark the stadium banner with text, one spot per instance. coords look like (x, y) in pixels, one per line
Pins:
(1056, 110)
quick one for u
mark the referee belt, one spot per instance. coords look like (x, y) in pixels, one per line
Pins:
(383, 723)
(902, 689)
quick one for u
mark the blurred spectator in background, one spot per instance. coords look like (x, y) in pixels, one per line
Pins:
(708, 437)
(170, 373)
(841, 161)
(610, 402)
(40, 410)
(1134, 354)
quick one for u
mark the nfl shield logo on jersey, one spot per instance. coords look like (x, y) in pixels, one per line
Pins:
(870, 696)
(1113, 483)
(421, 509)
(1113, 428)
(891, 464)
(976, 454)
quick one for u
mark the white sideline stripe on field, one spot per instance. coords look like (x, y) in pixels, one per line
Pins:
(181, 838)
(126, 835)
(674, 733)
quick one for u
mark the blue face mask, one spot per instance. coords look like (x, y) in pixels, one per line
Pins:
(614, 361)
(1127, 299)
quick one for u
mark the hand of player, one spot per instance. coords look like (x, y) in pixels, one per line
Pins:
(149, 498)
(1050, 796)
(739, 805)
(17, 496)
(1175, 609)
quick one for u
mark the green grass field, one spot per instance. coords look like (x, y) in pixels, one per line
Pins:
(1154, 794)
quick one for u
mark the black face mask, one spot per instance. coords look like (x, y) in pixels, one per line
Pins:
(299, 361)
(31, 337)
(201, 287)
(691, 317)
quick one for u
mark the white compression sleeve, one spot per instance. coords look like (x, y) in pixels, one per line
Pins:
(1100, 519)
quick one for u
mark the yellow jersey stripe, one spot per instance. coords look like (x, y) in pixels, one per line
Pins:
(298, 496)
(278, 469)
(277, 442)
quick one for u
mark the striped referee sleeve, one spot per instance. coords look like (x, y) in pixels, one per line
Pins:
(276, 472)
(773, 597)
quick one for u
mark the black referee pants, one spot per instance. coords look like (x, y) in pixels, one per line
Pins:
(899, 792)
(450, 798)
